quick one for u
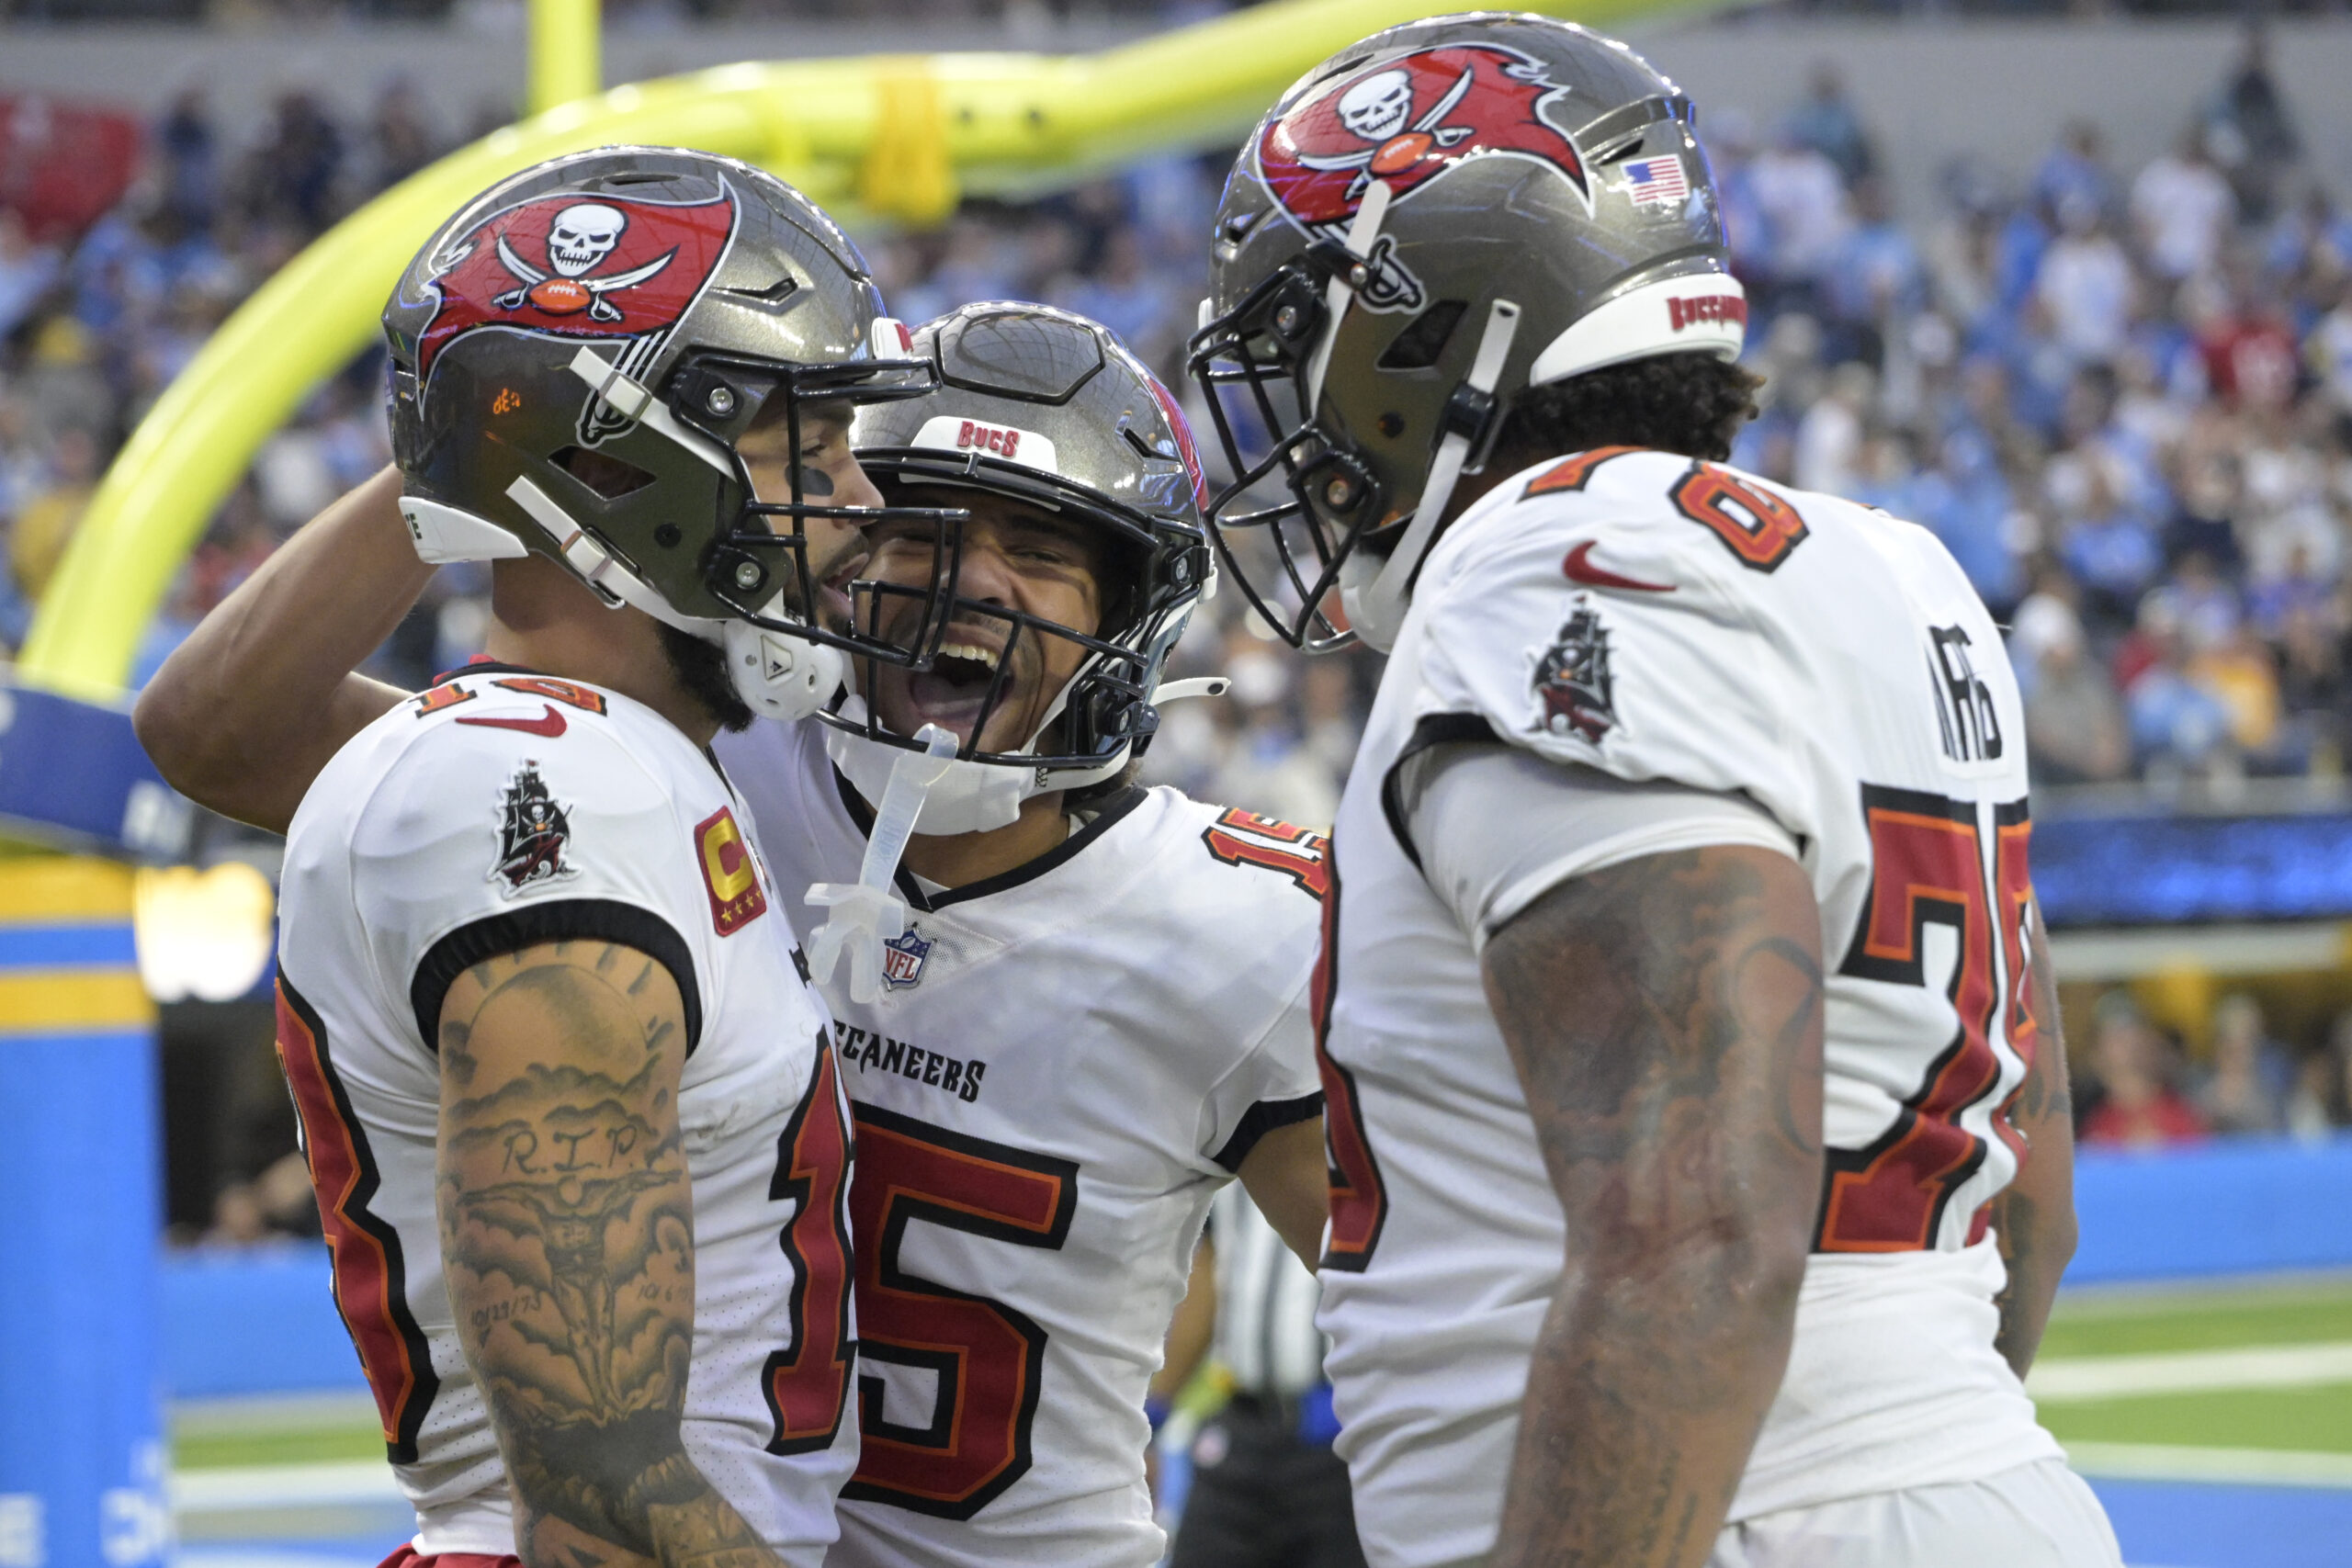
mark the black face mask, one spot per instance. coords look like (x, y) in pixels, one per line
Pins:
(701, 668)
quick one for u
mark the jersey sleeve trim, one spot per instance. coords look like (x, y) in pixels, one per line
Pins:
(1266, 1116)
(1432, 730)
(566, 920)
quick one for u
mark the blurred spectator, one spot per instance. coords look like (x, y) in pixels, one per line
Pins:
(2086, 284)
(1803, 202)
(2249, 354)
(1825, 123)
(291, 176)
(2254, 133)
(398, 142)
(27, 270)
(2176, 724)
(2246, 1089)
(1829, 439)
(2074, 720)
(189, 158)
(2136, 1104)
(2181, 208)
(2075, 172)
(2320, 1100)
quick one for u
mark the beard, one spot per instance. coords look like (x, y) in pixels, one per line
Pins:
(701, 671)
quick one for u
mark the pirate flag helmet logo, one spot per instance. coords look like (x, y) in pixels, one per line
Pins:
(533, 833)
(1406, 122)
(611, 266)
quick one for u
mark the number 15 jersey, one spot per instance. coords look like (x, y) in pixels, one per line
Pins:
(1066, 1063)
(1654, 618)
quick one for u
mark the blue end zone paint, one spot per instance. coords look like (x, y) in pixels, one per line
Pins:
(2165, 1524)
(2230, 1207)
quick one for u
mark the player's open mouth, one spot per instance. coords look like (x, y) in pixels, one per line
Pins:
(952, 692)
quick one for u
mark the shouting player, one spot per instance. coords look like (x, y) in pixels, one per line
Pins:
(570, 1106)
(1096, 1013)
(1688, 1027)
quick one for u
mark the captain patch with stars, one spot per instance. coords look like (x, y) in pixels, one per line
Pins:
(1572, 684)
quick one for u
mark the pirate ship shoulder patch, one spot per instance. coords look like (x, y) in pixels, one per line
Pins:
(1573, 685)
(534, 835)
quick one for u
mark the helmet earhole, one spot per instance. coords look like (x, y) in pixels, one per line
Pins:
(1392, 425)
(667, 536)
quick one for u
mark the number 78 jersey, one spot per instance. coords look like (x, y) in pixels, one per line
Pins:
(1654, 618)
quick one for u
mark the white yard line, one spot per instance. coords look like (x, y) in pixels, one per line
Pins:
(2169, 1462)
(342, 1483)
(2075, 1378)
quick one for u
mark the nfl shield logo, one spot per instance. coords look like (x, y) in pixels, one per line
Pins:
(902, 959)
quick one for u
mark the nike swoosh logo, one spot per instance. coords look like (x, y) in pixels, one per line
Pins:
(550, 726)
(1578, 568)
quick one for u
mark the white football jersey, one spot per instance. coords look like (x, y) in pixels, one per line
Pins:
(1655, 618)
(1065, 1065)
(500, 809)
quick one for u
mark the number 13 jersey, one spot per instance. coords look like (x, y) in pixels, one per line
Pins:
(1658, 619)
(500, 810)
(1065, 1065)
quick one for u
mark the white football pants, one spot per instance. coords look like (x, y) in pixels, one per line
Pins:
(2036, 1516)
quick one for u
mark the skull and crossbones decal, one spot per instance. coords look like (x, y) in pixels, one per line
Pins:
(579, 240)
(1376, 110)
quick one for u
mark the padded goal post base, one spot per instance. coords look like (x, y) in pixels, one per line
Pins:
(81, 1461)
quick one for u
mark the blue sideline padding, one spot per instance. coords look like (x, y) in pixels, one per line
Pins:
(259, 1323)
(262, 1322)
(2236, 1206)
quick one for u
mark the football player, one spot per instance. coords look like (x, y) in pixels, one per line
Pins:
(1698, 1114)
(568, 1099)
(1095, 1013)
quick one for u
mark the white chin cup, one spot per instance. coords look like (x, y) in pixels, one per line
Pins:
(778, 675)
(966, 797)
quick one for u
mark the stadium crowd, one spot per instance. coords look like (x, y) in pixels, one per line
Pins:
(2121, 397)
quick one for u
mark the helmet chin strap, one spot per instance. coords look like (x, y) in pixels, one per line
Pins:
(1374, 592)
(868, 912)
(1363, 234)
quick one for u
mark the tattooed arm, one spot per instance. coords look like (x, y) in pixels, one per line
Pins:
(567, 1235)
(244, 714)
(2034, 1215)
(1665, 1018)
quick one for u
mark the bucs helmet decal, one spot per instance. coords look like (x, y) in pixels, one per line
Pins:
(1406, 122)
(1196, 476)
(575, 265)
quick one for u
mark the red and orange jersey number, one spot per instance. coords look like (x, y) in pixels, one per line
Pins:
(1927, 867)
(807, 1384)
(1244, 837)
(987, 1355)
(1756, 526)
(369, 1271)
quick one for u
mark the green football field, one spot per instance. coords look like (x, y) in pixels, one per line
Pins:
(2262, 1371)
